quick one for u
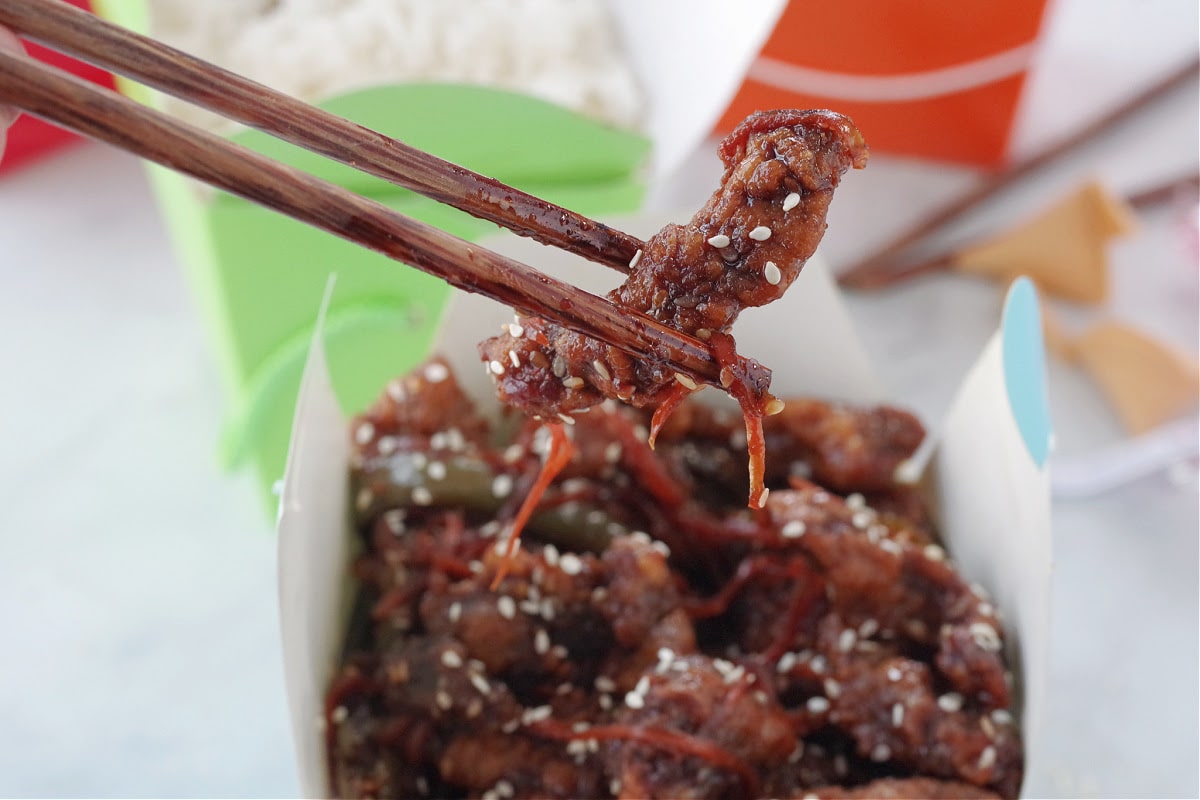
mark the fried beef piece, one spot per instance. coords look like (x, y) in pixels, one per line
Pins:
(742, 249)
(840, 447)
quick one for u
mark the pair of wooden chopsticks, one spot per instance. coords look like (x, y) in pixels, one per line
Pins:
(84, 108)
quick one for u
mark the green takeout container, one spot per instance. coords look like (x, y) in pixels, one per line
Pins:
(258, 276)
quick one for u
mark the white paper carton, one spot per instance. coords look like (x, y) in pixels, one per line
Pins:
(987, 468)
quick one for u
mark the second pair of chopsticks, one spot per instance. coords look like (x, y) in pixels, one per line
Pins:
(77, 105)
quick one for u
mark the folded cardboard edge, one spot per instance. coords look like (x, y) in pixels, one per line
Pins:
(997, 524)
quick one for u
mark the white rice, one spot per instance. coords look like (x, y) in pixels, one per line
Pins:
(564, 51)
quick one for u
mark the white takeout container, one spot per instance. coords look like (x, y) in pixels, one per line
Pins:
(986, 464)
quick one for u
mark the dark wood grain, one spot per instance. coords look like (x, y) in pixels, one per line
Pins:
(70, 30)
(873, 270)
(77, 105)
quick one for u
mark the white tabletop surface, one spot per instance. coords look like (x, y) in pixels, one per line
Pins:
(140, 654)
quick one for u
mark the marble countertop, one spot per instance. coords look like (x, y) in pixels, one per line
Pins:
(137, 581)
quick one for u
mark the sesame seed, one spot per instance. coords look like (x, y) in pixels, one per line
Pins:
(861, 519)
(436, 470)
(480, 683)
(496, 367)
(894, 674)
(507, 607)
(791, 201)
(451, 659)
(396, 391)
(985, 636)
(502, 486)
(661, 548)
(422, 496)
(612, 452)
(541, 642)
(881, 752)
(536, 714)
(634, 700)
(760, 233)
(817, 704)
(394, 520)
(573, 382)
(774, 406)
(614, 787)
(833, 688)
(637, 257)
(603, 683)
(570, 564)
(686, 381)
(934, 553)
(665, 655)
(888, 546)
(950, 702)
(846, 640)
(601, 370)
(386, 445)
(762, 500)
(771, 274)
(455, 611)
(817, 664)
(363, 500)
(436, 372)
(559, 652)
(989, 728)
(719, 241)
(868, 628)
(504, 788)
(340, 715)
(547, 607)
(514, 358)
(735, 674)
(987, 759)
(722, 666)
(1002, 717)
(569, 420)
(786, 662)
(364, 433)
(897, 715)
(515, 330)
(643, 685)
(444, 701)
(794, 529)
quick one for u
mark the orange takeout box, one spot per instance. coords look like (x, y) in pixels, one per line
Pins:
(936, 79)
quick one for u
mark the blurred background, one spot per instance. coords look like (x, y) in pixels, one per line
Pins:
(147, 384)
